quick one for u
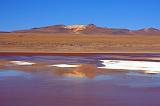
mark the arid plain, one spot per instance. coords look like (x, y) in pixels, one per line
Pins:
(61, 43)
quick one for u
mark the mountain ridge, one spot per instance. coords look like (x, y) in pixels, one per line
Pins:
(89, 29)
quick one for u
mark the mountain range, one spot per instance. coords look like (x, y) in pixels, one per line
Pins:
(90, 29)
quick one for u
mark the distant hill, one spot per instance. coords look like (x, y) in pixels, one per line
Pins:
(90, 29)
(4, 32)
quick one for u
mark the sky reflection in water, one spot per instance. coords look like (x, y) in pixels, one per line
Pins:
(13, 73)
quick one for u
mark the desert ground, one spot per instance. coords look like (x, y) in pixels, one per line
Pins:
(61, 43)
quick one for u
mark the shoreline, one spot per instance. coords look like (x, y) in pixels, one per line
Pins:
(71, 53)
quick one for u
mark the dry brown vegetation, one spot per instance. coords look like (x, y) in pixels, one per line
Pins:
(61, 43)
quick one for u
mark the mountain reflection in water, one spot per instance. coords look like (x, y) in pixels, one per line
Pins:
(82, 71)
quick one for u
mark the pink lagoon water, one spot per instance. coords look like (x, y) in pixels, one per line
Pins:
(84, 80)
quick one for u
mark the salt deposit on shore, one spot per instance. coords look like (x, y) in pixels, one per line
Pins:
(146, 66)
(65, 65)
(22, 63)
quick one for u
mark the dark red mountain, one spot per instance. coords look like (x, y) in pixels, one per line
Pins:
(90, 29)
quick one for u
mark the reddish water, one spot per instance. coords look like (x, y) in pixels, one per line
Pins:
(39, 85)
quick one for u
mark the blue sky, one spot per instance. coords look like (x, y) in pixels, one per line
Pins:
(132, 14)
